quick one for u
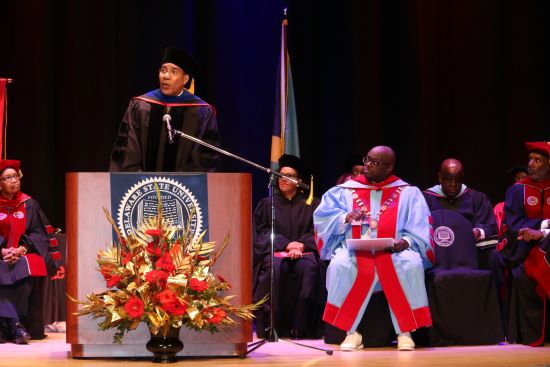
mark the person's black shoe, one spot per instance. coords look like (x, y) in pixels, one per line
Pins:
(20, 334)
(38, 337)
(4, 330)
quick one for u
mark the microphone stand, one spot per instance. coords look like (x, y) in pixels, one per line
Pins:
(272, 333)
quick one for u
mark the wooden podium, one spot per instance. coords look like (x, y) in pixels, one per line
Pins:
(229, 211)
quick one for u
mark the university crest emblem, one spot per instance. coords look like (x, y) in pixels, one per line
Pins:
(444, 236)
(180, 205)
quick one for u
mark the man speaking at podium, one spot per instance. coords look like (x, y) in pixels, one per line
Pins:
(145, 139)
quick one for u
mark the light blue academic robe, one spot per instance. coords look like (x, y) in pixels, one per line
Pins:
(399, 275)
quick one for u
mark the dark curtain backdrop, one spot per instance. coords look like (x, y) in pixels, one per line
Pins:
(432, 79)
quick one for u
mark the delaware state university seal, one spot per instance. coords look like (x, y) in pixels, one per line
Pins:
(444, 236)
(179, 205)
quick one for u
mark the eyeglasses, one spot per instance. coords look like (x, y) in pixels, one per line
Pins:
(10, 178)
(373, 162)
(170, 71)
(289, 176)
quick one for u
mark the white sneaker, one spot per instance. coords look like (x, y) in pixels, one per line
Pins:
(405, 342)
(352, 342)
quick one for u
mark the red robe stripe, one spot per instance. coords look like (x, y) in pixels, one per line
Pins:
(407, 318)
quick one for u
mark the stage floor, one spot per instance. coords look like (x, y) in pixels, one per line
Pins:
(53, 351)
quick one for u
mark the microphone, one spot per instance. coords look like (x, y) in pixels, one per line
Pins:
(167, 119)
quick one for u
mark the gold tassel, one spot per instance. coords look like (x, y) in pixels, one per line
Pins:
(310, 198)
(192, 86)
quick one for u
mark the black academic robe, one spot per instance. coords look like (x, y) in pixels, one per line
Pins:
(299, 284)
(472, 205)
(463, 298)
(470, 266)
(526, 205)
(477, 209)
(142, 142)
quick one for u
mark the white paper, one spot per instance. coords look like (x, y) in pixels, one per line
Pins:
(367, 244)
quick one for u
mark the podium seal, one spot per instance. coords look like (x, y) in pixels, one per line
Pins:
(179, 205)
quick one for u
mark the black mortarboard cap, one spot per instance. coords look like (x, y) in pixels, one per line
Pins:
(180, 58)
(289, 160)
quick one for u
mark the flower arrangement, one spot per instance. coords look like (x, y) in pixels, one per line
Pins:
(156, 277)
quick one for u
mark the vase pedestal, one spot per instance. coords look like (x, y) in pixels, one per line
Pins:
(165, 347)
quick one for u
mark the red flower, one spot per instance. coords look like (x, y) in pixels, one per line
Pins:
(153, 249)
(166, 296)
(107, 272)
(126, 259)
(165, 263)
(177, 308)
(170, 302)
(158, 277)
(198, 285)
(112, 281)
(217, 316)
(134, 307)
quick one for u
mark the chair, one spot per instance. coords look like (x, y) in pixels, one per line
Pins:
(284, 299)
(53, 293)
(47, 299)
(463, 298)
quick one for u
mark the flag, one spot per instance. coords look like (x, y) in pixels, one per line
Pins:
(3, 114)
(284, 139)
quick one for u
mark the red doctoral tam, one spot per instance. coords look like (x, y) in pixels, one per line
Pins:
(8, 163)
(542, 147)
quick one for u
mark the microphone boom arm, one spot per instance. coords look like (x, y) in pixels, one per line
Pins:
(225, 152)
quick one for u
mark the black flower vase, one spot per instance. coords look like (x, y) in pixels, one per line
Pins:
(165, 345)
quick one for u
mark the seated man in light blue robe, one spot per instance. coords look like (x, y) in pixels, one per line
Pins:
(376, 204)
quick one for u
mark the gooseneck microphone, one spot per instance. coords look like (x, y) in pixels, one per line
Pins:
(167, 119)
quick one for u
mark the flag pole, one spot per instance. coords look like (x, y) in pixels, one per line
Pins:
(4, 115)
(284, 141)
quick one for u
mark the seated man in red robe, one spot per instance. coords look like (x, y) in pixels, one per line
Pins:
(526, 210)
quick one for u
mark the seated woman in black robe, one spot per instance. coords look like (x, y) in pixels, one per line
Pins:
(298, 272)
(28, 250)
